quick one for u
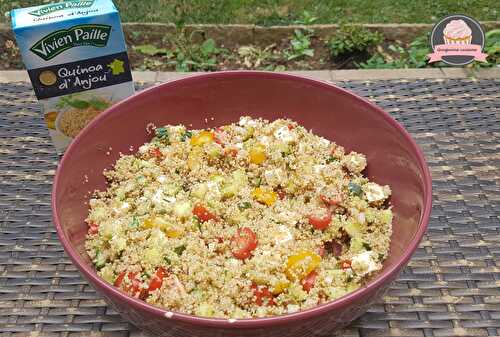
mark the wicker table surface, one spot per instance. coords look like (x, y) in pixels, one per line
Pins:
(450, 288)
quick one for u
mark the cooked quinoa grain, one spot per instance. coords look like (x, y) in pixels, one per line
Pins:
(250, 219)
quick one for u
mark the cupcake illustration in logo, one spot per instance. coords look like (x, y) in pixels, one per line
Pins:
(457, 32)
(457, 40)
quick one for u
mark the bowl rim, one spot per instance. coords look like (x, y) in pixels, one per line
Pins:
(385, 276)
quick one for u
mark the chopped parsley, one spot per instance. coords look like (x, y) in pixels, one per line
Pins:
(134, 223)
(244, 205)
(186, 135)
(197, 222)
(180, 249)
(162, 135)
(331, 159)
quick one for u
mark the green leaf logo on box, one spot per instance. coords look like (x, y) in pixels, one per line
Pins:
(61, 40)
(49, 9)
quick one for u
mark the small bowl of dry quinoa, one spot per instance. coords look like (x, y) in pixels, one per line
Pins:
(242, 203)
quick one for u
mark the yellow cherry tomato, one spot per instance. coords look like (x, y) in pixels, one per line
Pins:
(149, 223)
(280, 287)
(164, 226)
(202, 137)
(267, 197)
(194, 158)
(257, 154)
(300, 265)
(172, 233)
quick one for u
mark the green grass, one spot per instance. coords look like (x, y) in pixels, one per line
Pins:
(282, 12)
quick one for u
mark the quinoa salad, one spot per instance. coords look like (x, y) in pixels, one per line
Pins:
(250, 219)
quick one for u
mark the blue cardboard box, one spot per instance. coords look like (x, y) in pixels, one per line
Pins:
(77, 61)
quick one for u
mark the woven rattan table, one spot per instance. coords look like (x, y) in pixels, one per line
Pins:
(450, 288)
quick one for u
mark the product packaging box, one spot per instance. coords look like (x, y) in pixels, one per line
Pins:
(77, 61)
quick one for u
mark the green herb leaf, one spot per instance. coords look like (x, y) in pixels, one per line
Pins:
(331, 159)
(162, 134)
(244, 205)
(355, 189)
(366, 246)
(98, 104)
(197, 222)
(78, 104)
(208, 47)
(167, 260)
(134, 223)
(186, 135)
(180, 249)
(151, 50)
(99, 261)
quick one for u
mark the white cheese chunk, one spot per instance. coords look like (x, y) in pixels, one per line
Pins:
(374, 192)
(283, 235)
(364, 263)
(284, 134)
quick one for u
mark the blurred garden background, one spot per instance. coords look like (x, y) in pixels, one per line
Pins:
(279, 34)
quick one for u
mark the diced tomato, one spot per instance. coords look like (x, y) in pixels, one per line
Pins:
(218, 141)
(220, 239)
(321, 222)
(346, 264)
(231, 152)
(262, 295)
(133, 287)
(309, 280)
(157, 279)
(119, 279)
(155, 152)
(220, 136)
(281, 193)
(243, 243)
(328, 201)
(93, 228)
(291, 126)
(203, 214)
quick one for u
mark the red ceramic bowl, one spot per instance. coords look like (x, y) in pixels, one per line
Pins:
(214, 99)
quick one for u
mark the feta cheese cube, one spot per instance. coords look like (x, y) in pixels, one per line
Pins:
(285, 135)
(364, 263)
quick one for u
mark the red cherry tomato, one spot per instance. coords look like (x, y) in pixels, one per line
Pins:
(320, 222)
(281, 193)
(346, 264)
(243, 243)
(262, 295)
(119, 279)
(291, 126)
(309, 280)
(93, 228)
(133, 287)
(157, 279)
(328, 201)
(203, 213)
(155, 152)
